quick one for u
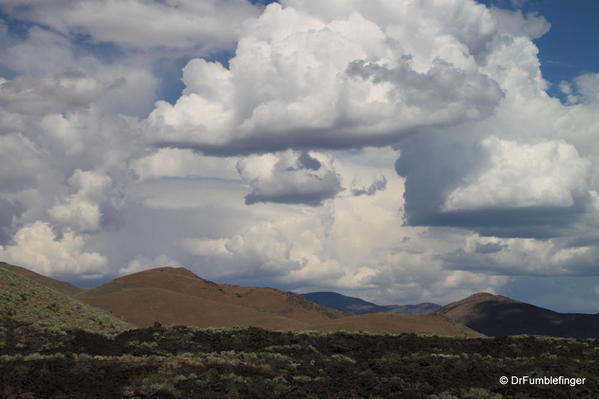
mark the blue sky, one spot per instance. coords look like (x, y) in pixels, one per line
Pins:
(569, 49)
(401, 152)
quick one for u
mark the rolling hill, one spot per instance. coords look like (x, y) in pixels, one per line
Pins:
(177, 296)
(497, 315)
(354, 305)
(24, 299)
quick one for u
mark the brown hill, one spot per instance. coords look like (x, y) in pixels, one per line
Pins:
(497, 315)
(60, 286)
(177, 296)
(398, 323)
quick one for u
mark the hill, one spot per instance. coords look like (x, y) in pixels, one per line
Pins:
(60, 286)
(25, 300)
(399, 323)
(176, 296)
(355, 305)
(497, 315)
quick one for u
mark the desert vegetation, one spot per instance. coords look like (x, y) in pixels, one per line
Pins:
(24, 300)
(183, 362)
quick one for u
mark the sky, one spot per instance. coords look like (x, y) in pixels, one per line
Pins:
(398, 151)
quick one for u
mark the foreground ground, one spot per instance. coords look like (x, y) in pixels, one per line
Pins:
(182, 362)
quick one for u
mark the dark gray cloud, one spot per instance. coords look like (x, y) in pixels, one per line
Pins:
(9, 212)
(378, 185)
(289, 178)
(488, 248)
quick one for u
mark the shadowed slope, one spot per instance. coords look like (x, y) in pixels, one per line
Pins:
(61, 286)
(497, 315)
(398, 323)
(24, 300)
(177, 296)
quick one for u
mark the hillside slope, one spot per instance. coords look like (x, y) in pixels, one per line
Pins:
(60, 286)
(497, 315)
(27, 301)
(177, 296)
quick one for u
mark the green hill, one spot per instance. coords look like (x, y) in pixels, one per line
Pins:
(27, 301)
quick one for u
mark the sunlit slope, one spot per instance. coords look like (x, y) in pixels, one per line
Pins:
(61, 286)
(25, 300)
(177, 296)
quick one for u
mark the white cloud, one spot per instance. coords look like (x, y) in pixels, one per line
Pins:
(81, 211)
(546, 174)
(208, 24)
(45, 94)
(37, 247)
(262, 249)
(307, 76)
(523, 257)
(298, 80)
(172, 162)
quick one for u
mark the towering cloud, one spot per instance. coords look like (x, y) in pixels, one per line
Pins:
(302, 79)
(397, 150)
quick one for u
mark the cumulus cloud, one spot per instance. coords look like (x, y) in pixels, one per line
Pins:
(183, 23)
(81, 211)
(37, 247)
(300, 80)
(262, 249)
(523, 257)
(496, 182)
(290, 177)
(45, 94)
(546, 174)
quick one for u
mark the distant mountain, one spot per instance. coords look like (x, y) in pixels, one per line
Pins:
(27, 297)
(354, 305)
(343, 303)
(497, 315)
(176, 296)
(420, 308)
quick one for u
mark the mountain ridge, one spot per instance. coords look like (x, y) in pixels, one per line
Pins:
(356, 305)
